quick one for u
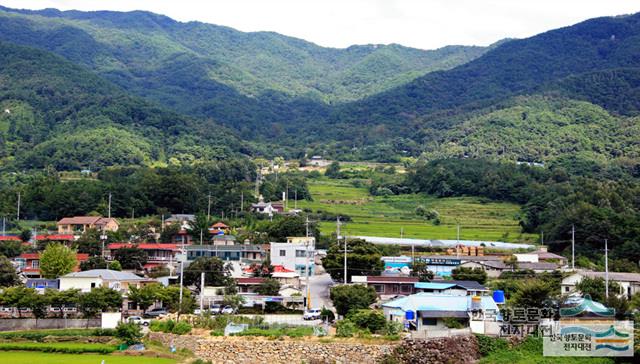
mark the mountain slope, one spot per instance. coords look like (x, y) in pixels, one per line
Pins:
(516, 67)
(59, 114)
(127, 46)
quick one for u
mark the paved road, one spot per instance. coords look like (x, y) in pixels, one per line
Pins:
(320, 285)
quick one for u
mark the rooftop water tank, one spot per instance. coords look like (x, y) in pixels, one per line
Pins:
(498, 296)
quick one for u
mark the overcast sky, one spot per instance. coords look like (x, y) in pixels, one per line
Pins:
(423, 24)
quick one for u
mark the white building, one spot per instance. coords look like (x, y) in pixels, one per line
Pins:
(629, 282)
(291, 254)
(87, 280)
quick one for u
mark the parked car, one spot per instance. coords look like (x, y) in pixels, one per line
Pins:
(312, 314)
(228, 310)
(215, 309)
(156, 312)
(138, 320)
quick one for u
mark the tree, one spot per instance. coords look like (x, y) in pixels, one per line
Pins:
(333, 170)
(233, 300)
(60, 299)
(269, 287)
(10, 249)
(115, 265)
(131, 258)
(363, 258)
(8, 275)
(216, 273)
(25, 235)
(287, 226)
(512, 261)
(129, 332)
(100, 299)
(469, 274)
(89, 243)
(595, 287)
(170, 296)
(144, 296)
(37, 303)
(94, 262)
(200, 227)
(57, 260)
(18, 296)
(531, 293)
(263, 269)
(352, 297)
(420, 269)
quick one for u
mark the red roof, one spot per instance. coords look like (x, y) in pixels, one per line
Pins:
(10, 238)
(220, 225)
(143, 246)
(250, 280)
(81, 257)
(281, 269)
(68, 237)
(151, 265)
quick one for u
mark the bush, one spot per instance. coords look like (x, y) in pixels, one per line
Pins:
(170, 326)
(392, 329)
(327, 315)
(452, 323)
(346, 328)
(277, 331)
(66, 348)
(130, 332)
(371, 320)
(488, 344)
(39, 335)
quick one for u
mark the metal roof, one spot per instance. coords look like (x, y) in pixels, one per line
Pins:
(430, 285)
(439, 302)
(106, 274)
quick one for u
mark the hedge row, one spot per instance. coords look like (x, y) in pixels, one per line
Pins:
(58, 348)
(39, 335)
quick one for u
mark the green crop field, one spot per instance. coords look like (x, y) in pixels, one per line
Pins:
(21, 357)
(479, 219)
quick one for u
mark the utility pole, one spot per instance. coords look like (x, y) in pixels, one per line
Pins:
(209, 208)
(606, 269)
(542, 237)
(109, 204)
(241, 201)
(18, 213)
(573, 247)
(201, 292)
(133, 213)
(183, 256)
(458, 233)
(306, 269)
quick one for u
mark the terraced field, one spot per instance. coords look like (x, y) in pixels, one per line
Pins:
(479, 219)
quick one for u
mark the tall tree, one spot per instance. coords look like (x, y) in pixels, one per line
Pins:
(469, 274)
(131, 258)
(216, 273)
(100, 299)
(8, 274)
(363, 258)
(62, 298)
(352, 297)
(144, 296)
(57, 260)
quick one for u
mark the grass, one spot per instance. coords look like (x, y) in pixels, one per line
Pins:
(530, 352)
(276, 332)
(479, 219)
(21, 357)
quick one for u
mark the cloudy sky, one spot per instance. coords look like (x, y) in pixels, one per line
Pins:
(423, 24)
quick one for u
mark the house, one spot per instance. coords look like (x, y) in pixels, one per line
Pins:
(249, 284)
(246, 253)
(452, 287)
(223, 239)
(267, 208)
(541, 255)
(296, 254)
(77, 225)
(285, 276)
(428, 311)
(182, 237)
(89, 279)
(61, 238)
(219, 228)
(629, 282)
(29, 263)
(495, 268)
(184, 220)
(10, 238)
(157, 254)
(387, 287)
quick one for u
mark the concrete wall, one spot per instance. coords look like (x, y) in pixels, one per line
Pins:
(81, 283)
(58, 323)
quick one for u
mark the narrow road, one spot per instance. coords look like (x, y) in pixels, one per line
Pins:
(320, 285)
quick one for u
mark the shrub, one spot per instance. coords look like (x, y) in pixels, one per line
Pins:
(488, 344)
(392, 329)
(170, 326)
(346, 328)
(327, 315)
(452, 323)
(130, 332)
(371, 320)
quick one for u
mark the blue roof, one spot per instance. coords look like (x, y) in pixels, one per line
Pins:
(429, 285)
(439, 302)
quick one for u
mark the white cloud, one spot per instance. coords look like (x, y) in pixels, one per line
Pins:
(339, 23)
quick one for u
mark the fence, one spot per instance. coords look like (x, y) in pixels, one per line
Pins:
(430, 334)
(56, 323)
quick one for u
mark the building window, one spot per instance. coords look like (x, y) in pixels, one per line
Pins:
(428, 321)
(394, 288)
(300, 254)
(566, 289)
(405, 288)
(379, 288)
(93, 284)
(283, 253)
(35, 264)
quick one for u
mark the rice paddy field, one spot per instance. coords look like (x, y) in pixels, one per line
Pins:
(22, 357)
(479, 219)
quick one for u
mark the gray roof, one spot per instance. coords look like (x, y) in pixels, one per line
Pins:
(181, 217)
(614, 276)
(520, 265)
(443, 314)
(468, 285)
(235, 247)
(106, 274)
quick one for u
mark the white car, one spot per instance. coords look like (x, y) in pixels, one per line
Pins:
(312, 314)
(138, 320)
(228, 310)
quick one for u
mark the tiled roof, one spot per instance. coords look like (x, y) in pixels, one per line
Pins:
(220, 225)
(383, 279)
(10, 238)
(250, 280)
(468, 285)
(79, 220)
(143, 246)
(55, 237)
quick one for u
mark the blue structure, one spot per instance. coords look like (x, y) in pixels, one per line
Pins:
(235, 252)
(498, 296)
(42, 283)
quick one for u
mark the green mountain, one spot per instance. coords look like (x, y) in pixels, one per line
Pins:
(254, 82)
(54, 113)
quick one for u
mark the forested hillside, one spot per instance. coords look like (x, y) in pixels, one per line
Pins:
(57, 114)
